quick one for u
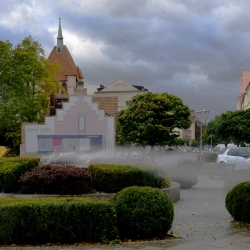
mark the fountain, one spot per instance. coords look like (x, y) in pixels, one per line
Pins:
(79, 159)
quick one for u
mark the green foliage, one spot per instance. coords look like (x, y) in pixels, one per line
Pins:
(113, 178)
(26, 80)
(150, 119)
(179, 142)
(143, 212)
(230, 126)
(209, 157)
(64, 220)
(238, 202)
(11, 169)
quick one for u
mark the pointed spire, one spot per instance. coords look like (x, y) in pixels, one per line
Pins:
(59, 47)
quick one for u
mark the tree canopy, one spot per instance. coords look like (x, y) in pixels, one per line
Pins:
(26, 81)
(151, 119)
(230, 126)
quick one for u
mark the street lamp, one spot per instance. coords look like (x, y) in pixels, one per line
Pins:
(211, 142)
(201, 119)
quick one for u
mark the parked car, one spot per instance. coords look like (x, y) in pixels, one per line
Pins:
(134, 155)
(221, 147)
(238, 158)
(196, 150)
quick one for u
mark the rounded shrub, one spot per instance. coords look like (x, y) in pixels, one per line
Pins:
(143, 212)
(238, 202)
(49, 179)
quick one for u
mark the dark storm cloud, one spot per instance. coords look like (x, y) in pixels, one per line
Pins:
(193, 49)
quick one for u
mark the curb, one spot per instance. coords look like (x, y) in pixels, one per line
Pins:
(173, 193)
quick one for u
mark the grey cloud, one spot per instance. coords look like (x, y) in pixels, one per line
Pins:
(121, 8)
(193, 49)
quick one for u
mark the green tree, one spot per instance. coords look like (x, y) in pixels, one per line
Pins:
(26, 81)
(219, 127)
(240, 127)
(150, 119)
(232, 126)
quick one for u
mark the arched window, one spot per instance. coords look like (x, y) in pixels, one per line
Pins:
(64, 85)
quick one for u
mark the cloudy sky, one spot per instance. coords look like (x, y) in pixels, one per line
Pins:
(194, 49)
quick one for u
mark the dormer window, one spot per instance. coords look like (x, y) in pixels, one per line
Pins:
(58, 50)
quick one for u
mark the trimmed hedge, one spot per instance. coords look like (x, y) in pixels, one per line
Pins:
(238, 202)
(123, 161)
(113, 178)
(143, 212)
(57, 220)
(49, 179)
(11, 169)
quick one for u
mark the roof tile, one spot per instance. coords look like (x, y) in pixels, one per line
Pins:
(68, 65)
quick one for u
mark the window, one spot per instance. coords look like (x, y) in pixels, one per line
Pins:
(81, 122)
(64, 85)
(233, 152)
(243, 153)
(45, 144)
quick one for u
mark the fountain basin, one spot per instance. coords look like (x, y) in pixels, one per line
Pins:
(173, 193)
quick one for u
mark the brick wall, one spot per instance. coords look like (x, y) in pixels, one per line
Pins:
(108, 104)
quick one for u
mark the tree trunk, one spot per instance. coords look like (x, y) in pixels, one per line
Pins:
(143, 152)
(152, 157)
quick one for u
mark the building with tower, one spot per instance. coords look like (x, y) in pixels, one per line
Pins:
(75, 123)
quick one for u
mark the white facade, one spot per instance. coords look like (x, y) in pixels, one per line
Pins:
(79, 123)
(123, 90)
(92, 88)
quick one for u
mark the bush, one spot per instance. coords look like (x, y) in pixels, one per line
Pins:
(49, 179)
(186, 173)
(143, 212)
(11, 169)
(113, 178)
(238, 202)
(209, 157)
(64, 220)
(123, 161)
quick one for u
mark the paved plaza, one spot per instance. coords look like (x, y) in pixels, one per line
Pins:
(201, 221)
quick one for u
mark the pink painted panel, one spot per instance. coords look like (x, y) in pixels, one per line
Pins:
(57, 144)
(69, 126)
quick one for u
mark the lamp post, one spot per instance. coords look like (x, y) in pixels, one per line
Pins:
(211, 142)
(201, 119)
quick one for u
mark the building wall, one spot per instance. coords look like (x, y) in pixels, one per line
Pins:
(71, 84)
(108, 104)
(91, 89)
(244, 82)
(123, 90)
(65, 125)
(246, 100)
(188, 134)
(123, 97)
